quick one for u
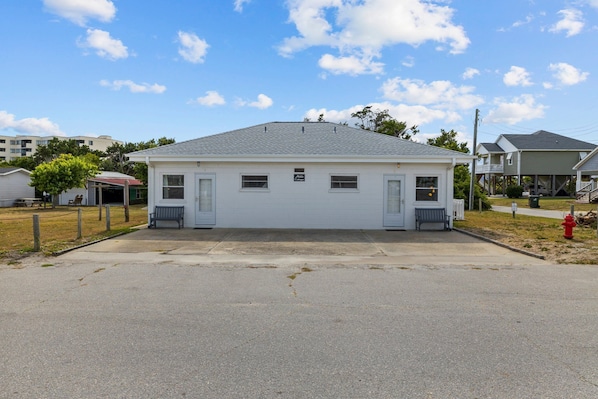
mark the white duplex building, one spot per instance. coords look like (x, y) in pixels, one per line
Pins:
(311, 175)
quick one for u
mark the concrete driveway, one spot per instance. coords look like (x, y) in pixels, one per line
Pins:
(279, 247)
(297, 314)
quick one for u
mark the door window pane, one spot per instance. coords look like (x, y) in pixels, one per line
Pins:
(393, 200)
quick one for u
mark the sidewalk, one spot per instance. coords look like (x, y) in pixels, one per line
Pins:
(532, 212)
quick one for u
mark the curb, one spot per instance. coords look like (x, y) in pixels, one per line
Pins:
(64, 251)
(500, 244)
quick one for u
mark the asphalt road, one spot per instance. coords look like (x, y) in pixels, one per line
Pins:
(224, 324)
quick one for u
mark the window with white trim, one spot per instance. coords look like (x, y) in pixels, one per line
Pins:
(344, 182)
(255, 182)
(426, 188)
(510, 158)
(173, 186)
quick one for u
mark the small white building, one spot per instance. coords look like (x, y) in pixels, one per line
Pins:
(310, 175)
(14, 184)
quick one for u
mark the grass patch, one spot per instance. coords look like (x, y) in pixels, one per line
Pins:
(549, 203)
(539, 235)
(58, 227)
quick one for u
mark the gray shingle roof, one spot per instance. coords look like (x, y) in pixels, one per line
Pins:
(298, 139)
(543, 140)
(492, 147)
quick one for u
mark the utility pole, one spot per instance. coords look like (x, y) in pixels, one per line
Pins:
(475, 143)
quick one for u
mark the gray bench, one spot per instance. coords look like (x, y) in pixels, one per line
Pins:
(174, 213)
(432, 215)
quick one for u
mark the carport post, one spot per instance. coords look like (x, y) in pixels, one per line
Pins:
(126, 201)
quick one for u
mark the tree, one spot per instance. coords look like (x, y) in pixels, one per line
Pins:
(62, 174)
(449, 140)
(116, 159)
(57, 147)
(21, 162)
(381, 122)
(462, 176)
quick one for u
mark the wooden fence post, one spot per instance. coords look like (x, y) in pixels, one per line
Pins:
(107, 217)
(36, 234)
(79, 223)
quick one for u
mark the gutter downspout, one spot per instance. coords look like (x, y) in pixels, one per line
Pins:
(151, 180)
(450, 191)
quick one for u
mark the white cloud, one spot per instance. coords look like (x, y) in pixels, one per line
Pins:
(104, 45)
(519, 109)
(470, 73)
(567, 74)
(349, 65)
(239, 4)
(414, 102)
(193, 49)
(263, 102)
(32, 126)
(572, 22)
(527, 20)
(134, 87)
(362, 28)
(211, 99)
(438, 94)
(408, 62)
(593, 3)
(79, 11)
(517, 76)
(410, 114)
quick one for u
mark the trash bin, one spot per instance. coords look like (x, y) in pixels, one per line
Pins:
(534, 201)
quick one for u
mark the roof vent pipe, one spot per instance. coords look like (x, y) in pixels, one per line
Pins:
(302, 129)
(265, 129)
(335, 129)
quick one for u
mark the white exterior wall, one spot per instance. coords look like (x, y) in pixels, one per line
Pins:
(310, 204)
(13, 186)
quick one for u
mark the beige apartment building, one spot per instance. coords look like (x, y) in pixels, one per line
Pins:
(12, 147)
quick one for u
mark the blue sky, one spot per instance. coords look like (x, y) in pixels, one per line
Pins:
(137, 70)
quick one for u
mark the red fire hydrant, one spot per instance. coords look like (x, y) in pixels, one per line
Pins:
(569, 224)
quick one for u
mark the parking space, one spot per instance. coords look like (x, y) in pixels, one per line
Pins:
(267, 246)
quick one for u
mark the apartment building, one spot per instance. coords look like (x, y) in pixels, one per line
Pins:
(12, 147)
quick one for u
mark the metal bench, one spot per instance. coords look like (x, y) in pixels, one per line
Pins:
(432, 215)
(174, 213)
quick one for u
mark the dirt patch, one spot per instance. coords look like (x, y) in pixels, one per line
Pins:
(575, 251)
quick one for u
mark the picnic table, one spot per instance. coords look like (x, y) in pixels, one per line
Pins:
(24, 202)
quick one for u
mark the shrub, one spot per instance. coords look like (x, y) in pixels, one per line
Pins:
(514, 191)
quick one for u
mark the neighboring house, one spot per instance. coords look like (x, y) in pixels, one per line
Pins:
(109, 187)
(315, 175)
(14, 184)
(543, 159)
(587, 178)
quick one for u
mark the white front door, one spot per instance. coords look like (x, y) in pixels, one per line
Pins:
(205, 200)
(394, 215)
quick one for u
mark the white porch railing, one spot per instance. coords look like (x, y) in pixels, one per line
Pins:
(587, 190)
(458, 209)
(489, 168)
